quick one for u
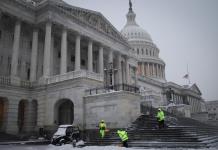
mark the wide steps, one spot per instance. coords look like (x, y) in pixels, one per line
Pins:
(153, 144)
(182, 133)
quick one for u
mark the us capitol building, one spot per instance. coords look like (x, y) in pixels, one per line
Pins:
(62, 64)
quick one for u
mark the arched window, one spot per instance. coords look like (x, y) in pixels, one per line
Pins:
(142, 51)
(137, 51)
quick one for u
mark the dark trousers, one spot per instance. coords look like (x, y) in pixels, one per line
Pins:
(125, 144)
(161, 124)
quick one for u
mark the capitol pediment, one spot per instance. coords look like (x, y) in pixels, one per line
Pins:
(195, 88)
(92, 19)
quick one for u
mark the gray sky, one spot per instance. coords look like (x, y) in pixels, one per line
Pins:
(186, 32)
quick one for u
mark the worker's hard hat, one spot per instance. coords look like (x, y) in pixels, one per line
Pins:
(159, 109)
(102, 120)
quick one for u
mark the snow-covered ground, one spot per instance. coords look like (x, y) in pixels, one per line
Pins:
(70, 147)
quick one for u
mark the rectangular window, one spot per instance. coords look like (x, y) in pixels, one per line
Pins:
(72, 58)
(83, 62)
(30, 44)
(9, 60)
(59, 54)
(1, 60)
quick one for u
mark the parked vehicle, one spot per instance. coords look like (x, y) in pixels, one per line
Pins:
(66, 134)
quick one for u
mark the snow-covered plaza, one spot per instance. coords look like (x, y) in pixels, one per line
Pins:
(70, 147)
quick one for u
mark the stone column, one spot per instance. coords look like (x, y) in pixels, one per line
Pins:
(16, 46)
(110, 60)
(12, 116)
(136, 76)
(34, 56)
(127, 72)
(47, 50)
(164, 72)
(139, 68)
(77, 53)
(143, 69)
(158, 71)
(119, 70)
(156, 68)
(90, 56)
(101, 60)
(63, 67)
(153, 70)
(148, 69)
(161, 72)
(52, 64)
(110, 57)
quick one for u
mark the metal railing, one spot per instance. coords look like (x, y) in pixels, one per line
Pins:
(113, 88)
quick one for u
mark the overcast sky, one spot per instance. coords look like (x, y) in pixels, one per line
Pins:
(185, 31)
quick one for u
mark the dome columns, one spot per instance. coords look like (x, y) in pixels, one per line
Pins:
(151, 69)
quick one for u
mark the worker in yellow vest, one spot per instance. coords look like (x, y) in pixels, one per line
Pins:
(160, 118)
(124, 137)
(102, 127)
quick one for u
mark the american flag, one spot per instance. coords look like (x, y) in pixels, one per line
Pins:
(186, 76)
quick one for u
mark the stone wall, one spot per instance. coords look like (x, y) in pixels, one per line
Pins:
(118, 109)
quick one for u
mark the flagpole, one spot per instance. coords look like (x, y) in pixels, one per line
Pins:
(189, 82)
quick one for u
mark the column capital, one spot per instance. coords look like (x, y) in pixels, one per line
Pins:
(35, 29)
(18, 21)
(101, 46)
(64, 27)
(78, 33)
(48, 23)
(78, 36)
(90, 41)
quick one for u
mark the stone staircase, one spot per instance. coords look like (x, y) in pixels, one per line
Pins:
(179, 132)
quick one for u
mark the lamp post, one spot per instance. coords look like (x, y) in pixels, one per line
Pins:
(109, 72)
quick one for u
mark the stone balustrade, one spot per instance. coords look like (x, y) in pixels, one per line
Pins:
(27, 84)
(74, 75)
(5, 80)
(15, 81)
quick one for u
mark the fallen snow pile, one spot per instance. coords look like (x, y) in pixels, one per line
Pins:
(70, 147)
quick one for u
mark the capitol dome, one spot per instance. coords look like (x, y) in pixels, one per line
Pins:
(136, 33)
(132, 31)
(142, 46)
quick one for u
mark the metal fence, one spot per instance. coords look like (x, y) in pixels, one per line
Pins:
(107, 89)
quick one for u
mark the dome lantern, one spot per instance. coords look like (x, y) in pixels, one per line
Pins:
(132, 31)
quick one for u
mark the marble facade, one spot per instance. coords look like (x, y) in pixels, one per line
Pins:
(52, 52)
